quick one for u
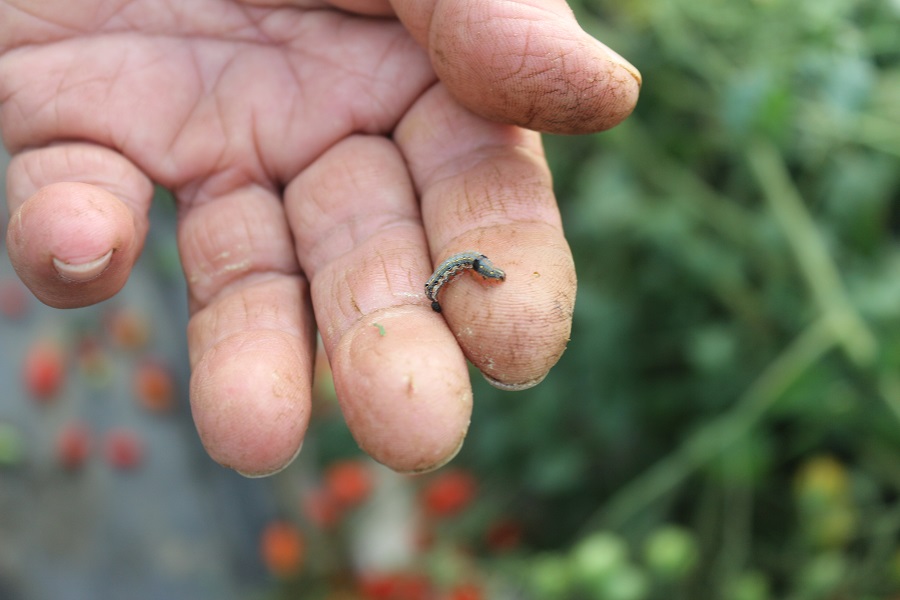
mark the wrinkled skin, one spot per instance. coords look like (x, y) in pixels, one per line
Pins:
(324, 157)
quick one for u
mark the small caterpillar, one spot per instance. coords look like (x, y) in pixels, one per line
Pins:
(455, 265)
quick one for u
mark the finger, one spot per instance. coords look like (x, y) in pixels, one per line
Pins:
(525, 62)
(399, 374)
(251, 335)
(487, 188)
(78, 221)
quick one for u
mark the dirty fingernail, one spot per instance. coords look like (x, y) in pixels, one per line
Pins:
(620, 60)
(513, 387)
(82, 271)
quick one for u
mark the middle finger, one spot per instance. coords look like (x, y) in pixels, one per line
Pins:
(400, 376)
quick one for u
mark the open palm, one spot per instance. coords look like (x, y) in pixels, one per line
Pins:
(323, 161)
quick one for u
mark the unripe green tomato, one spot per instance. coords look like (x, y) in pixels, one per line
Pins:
(550, 577)
(598, 556)
(626, 583)
(671, 553)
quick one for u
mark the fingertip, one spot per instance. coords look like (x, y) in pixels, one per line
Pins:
(250, 399)
(73, 244)
(534, 67)
(514, 332)
(404, 388)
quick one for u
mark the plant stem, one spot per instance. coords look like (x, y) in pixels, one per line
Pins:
(718, 434)
(816, 267)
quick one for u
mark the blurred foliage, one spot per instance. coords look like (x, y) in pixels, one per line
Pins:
(728, 410)
(725, 423)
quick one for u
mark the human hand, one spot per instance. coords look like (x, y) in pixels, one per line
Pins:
(323, 161)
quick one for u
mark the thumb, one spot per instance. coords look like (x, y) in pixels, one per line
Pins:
(78, 221)
(523, 62)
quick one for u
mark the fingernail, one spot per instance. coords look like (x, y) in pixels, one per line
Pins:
(437, 465)
(620, 60)
(82, 271)
(260, 475)
(513, 387)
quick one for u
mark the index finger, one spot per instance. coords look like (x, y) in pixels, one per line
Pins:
(486, 187)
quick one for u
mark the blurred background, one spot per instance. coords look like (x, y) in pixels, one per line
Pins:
(725, 423)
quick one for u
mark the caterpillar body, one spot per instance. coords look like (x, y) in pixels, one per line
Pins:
(456, 264)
